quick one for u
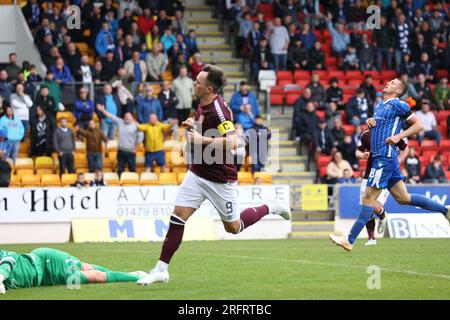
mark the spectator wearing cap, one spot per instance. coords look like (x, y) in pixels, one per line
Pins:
(241, 98)
(357, 108)
(148, 105)
(191, 42)
(15, 131)
(104, 40)
(262, 58)
(42, 127)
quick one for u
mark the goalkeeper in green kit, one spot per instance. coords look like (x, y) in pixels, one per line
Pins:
(50, 267)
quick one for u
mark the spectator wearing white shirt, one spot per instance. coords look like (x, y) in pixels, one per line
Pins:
(21, 104)
(428, 120)
(279, 44)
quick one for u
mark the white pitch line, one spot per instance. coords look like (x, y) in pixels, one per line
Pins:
(299, 261)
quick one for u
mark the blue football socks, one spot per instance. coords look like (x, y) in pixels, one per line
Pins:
(364, 215)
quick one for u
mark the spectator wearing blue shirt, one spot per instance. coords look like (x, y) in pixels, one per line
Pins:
(340, 39)
(242, 97)
(135, 68)
(307, 37)
(246, 117)
(83, 108)
(61, 72)
(191, 42)
(112, 106)
(168, 39)
(15, 132)
(148, 105)
(104, 40)
(347, 177)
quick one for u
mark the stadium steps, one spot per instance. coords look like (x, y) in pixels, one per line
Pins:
(212, 42)
(309, 234)
(311, 229)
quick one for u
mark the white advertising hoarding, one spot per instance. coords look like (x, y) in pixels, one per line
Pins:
(418, 225)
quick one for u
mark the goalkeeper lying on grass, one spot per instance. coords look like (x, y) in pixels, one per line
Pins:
(50, 267)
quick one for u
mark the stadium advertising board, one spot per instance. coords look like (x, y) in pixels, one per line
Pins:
(431, 225)
(138, 229)
(28, 205)
(349, 199)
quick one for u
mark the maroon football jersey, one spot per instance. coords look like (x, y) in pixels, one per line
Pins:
(364, 146)
(214, 164)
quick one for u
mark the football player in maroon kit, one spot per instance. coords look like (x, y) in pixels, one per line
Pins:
(212, 174)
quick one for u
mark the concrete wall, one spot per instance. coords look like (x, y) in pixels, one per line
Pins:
(15, 36)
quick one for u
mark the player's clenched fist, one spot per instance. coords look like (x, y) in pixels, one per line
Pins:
(188, 122)
(194, 137)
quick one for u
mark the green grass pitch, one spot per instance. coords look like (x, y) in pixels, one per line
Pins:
(264, 269)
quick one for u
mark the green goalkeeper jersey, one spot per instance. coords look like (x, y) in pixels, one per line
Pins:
(20, 270)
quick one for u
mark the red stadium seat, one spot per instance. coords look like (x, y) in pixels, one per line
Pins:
(284, 82)
(424, 161)
(443, 115)
(347, 97)
(292, 96)
(447, 174)
(349, 129)
(302, 83)
(266, 9)
(356, 174)
(387, 75)
(323, 171)
(302, 75)
(374, 73)
(414, 144)
(343, 116)
(336, 73)
(321, 114)
(442, 128)
(285, 75)
(429, 154)
(444, 145)
(429, 145)
(354, 74)
(442, 73)
(323, 161)
(423, 167)
(277, 95)
(323, 75)
(362, 163)
(354, 82)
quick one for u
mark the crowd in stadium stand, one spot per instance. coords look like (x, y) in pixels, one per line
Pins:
(327, 49)
(121, 47)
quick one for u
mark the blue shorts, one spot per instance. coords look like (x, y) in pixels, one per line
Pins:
(158, 156)
(385, 173)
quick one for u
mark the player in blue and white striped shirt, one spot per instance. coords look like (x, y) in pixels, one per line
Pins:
(386, 131)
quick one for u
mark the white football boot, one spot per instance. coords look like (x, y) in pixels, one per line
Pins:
(341, 242)
(139, 274)
(275, 207)
(371, 242)
(155, 275)
(382, 224)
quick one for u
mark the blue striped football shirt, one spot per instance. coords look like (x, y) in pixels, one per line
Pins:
(390, 116)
